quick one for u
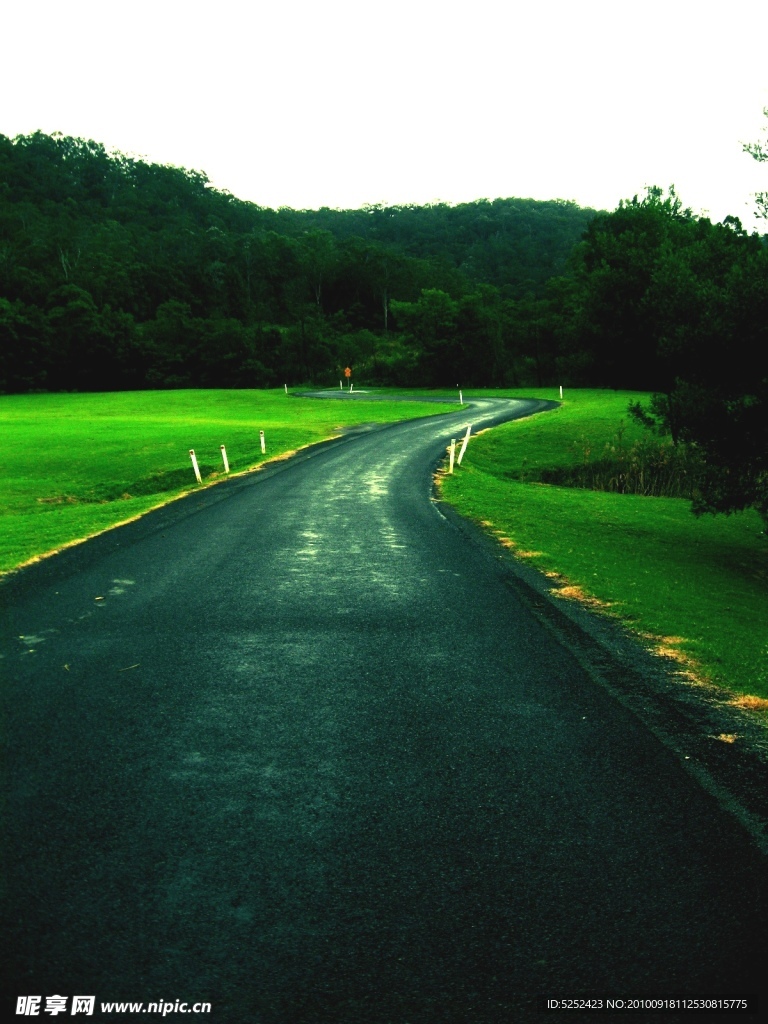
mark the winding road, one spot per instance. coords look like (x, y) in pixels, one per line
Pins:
(297, 746)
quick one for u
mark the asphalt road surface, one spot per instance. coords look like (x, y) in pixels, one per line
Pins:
(299, 747)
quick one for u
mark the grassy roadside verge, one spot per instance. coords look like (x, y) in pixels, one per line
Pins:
(696, 589)
(73, 465)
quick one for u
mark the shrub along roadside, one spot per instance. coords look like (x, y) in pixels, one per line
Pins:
(697, 585)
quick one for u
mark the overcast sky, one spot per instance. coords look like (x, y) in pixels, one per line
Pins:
(340, 103)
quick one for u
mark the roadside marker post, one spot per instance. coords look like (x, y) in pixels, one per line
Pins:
(461, 398)
(453, 454)
(464, 445)
(561, 390)
(195, 465)
(226, 460)
(263, 442)
(286, 388)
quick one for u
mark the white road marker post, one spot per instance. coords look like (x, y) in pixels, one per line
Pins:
(461, 398)
(341, 386)
(226, 460)
(561, 390)
(453, 454)
(195, 465)
(464, 445)
(286, 388)
(263, 442)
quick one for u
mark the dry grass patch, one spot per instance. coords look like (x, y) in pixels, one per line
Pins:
(570, 592)
(689, 670)
(748, 702)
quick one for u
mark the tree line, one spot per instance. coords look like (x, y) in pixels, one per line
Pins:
(116, 273)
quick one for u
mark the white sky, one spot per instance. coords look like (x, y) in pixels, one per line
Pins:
(340, 103)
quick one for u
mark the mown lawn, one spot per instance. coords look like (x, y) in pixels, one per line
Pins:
(698, 585)
(73, 465)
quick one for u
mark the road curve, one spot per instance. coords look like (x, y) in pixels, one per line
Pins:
(293, 746)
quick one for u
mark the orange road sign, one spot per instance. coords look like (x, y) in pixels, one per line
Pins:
(347, 372)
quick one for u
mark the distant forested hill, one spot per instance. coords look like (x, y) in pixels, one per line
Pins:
(116, 273)
(513, 244)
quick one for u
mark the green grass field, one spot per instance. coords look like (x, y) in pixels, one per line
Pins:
(73, 465)
(699, 586)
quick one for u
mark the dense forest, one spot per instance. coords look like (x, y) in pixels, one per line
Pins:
(116, 273)
(120, 274)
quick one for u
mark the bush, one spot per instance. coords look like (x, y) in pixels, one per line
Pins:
(649, 467)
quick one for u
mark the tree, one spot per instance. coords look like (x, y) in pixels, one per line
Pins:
(706, 306)
(759, 152)
(317, 258)
(480, 359)
(84, 353)
(616, 264)
(24, 347)
(431, 329)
